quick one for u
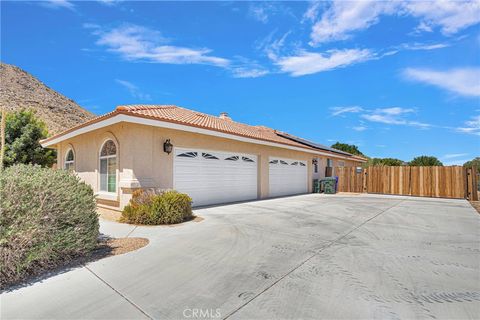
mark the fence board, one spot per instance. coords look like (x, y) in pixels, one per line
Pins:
(349, 180)
(472, 184)
(440, 182)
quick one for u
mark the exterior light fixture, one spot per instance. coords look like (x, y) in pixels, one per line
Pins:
(167, 146)
(314, 161)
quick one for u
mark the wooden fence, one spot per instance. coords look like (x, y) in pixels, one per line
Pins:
(438, 182)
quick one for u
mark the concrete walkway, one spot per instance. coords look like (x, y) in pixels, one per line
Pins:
(310, 257)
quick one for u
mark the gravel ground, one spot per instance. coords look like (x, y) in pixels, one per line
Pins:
(476, 205)
(116, 246)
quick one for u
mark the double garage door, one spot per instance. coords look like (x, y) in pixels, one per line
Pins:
(211, 177)
(215, 177)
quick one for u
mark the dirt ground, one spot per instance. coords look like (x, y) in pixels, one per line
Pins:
(476, 205)
(116, 246)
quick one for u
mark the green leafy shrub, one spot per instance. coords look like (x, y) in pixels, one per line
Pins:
(155, 207)
(23, 130)
(47, 218)
(425, 161)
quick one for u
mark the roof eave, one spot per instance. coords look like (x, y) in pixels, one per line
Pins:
(67, 134)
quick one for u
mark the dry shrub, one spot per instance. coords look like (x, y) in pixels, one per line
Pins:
(47, 218)
(155, 207)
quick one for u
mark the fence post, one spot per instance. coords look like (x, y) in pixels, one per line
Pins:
(472, 192)
(364, 180)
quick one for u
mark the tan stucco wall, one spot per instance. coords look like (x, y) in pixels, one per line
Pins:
(142, 162)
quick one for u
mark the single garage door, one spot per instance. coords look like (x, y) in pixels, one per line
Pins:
(287, 176)
(211, 177)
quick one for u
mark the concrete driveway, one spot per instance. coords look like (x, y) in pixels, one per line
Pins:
(311, 256)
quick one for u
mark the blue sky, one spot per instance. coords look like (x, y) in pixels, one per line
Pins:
(398, 79)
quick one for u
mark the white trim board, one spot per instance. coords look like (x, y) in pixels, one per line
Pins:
(169, 125)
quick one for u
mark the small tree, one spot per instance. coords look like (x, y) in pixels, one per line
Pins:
(425, 161)
(350, 148)
(23, 131)
(384, 162)
(2, 137)
(473, 163)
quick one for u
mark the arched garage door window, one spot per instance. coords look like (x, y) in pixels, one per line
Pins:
(108, 167)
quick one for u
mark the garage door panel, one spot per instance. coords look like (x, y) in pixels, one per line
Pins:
(215, 177)
(287, 177)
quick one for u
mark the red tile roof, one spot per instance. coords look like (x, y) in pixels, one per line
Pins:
(188, 117)
(179, 115)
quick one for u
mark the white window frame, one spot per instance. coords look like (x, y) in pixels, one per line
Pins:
(69, 162)
(341, 163)
(105, 193)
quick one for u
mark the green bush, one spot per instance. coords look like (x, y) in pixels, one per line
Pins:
(47, 218)
(23, 130)
(155, 207)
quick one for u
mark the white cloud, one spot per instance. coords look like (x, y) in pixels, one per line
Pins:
(458, 162)
(359, 128)
(450, 16)
(259, 12)
(383, 119)
(421, 125)
(137, 43)
(454, 155)
(263, 10)
(312, 12)
(109, 2)
(272, 47)
(343, 18)
(247, 72)
(424, 46)
(395, 116)
(243, 67)
(394, 111)
(463, 81)
(58, 4)
(390, 115)
(133, 89)
(471, 126)
(311, 62)
(336, 111)
(423, 27)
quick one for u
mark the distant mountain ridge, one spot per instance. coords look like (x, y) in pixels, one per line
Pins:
(19, 89)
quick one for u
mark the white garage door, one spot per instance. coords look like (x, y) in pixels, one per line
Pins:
(287, 176)
(211, 177)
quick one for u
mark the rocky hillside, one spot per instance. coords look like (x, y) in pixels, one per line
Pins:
(19, 89)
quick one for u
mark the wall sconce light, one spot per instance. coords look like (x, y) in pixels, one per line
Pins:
(167, 146)
(314, 161)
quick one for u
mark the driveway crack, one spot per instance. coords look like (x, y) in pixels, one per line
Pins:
(131, 231)
(318, 251)
(120, 294)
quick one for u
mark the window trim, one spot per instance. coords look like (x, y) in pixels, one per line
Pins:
(105, 194)
(70, 148)
(329, 163)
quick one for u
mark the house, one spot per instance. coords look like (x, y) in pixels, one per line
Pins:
(213, 159)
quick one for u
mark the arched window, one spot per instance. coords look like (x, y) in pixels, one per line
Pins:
(69, 163)
(108, 167)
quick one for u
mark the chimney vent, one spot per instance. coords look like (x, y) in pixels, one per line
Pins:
(224, 115)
